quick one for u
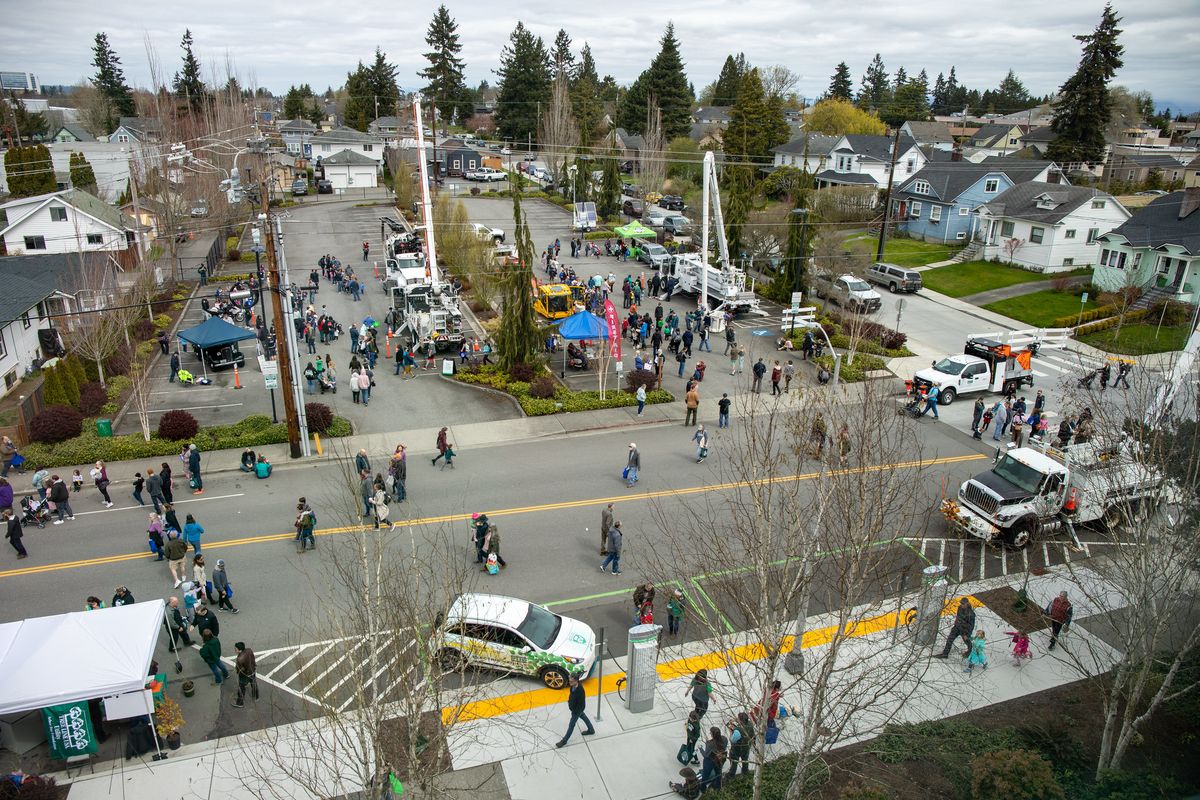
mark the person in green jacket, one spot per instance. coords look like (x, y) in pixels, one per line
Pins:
(210, 651)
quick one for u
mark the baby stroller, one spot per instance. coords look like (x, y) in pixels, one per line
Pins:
(328, 383)
(34, 512)
(912, 406)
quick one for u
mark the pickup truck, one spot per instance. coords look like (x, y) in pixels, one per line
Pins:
(848, 291)
(984, 365)
(487, 232)
(486, 174)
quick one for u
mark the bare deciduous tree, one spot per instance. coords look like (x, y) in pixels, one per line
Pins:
(652, 163)
(558, 133)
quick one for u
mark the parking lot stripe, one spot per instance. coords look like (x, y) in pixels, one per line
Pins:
(192, 408)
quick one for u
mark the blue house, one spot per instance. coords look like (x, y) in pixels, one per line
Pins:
(935, 204)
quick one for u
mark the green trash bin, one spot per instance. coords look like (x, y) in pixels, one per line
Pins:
(104, 427)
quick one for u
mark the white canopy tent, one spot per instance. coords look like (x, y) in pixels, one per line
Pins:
(77, 656)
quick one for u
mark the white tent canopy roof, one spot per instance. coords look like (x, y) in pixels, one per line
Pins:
(77, 656)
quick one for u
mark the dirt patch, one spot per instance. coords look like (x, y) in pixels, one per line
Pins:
(433, 758)
(1004, 601)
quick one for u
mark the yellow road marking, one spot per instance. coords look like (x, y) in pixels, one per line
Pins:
(680, 668)
(503, 512)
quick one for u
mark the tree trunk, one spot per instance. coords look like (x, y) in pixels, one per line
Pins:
(100, 371)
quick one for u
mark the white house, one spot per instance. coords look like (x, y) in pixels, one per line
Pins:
(136, 129)
(22, 303)
(71, 221)
(807, 151)
(328, 143)
(862, 160)
(1048, 227)
(351, 170)
(934, 135)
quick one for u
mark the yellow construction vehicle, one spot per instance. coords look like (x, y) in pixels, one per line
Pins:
(554, 300)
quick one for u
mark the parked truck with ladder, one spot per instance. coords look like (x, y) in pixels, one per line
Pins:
(985, 365)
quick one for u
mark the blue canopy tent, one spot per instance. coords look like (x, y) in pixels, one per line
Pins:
(584, 325)
(214, 332)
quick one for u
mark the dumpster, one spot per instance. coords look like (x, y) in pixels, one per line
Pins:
(104, 427)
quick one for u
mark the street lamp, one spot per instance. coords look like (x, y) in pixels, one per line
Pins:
(572, 171)
(802, 215)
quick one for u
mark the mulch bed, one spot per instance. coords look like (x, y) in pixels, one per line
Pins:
(1003, 600)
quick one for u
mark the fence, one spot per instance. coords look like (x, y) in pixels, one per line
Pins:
(28, 407)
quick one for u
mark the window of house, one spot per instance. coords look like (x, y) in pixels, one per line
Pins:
(35, 242)
(1132, 174)
(367, 148)
(910, 165)
(935, 213)
(95, 238)
(1036, 235)
(3, 354)
(58, 214)
(1069, 233)
(921, 187)
(1164, 265)
(1092, 234)
(122, 137)
(915, 210)
(1068, 262)
(1012, 140)
(963, 211)
(1006, 228)
(25, 321)
(1137, 260)
(1104, 257)
(324, 148)
(1098, 204)
(991, 185)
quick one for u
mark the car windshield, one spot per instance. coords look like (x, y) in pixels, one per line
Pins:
(540, 626)
(1018, 474)
(949, 367)
(558, 303)
(655, 249)
(858, 286)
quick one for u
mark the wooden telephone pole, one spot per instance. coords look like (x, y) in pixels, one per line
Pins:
(283, 341)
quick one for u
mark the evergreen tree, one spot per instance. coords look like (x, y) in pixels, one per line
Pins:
(524, 83)
(1011, 95)
(797, 253)
(922, 80)
(755, 124)
(78, 373)
(562, 59)
(585, 98)
(53, 392)
(938, 100)
(840, 87)
(27, 126)
(739, 186)
(299, 102)
(444, 74)
(126, 195)
(901, 79)
(909, 102)
(725, 90)
(384, 90)
(66, 380)
(1082, 110)
(82, 175)
(110, 81)
(188, 84)
(666, 81)
(359, 110)
(30, 171)
(519, 339)
(875, 90)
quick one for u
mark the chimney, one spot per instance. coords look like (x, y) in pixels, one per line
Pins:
(956, 153)
(1190, 201)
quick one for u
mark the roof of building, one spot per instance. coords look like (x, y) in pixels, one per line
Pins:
(992, 134)
(814, 143)
(699, 131)
(1151, 160)
(297, 126)
(845, 177)
(714, 113)
(348, 158)
(343, 134)
(78, 131)
(929, 132)
(877, 148)
(1195, 162)
(1170, 219)
(1044, 134)
(630, 141)
(87, 203)
(19, 295)
(140, 125)
(949, 179)
(388, 122)
(58, 272)
(1025, 201)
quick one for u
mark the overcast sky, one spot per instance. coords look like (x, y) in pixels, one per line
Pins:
(276, 43)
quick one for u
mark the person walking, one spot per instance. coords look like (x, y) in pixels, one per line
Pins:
(200, 576)
(741, 734)
(164, 472)
(1060, 612)
(606, 522)
(729, 340)
(175, 549)
(633, 464)
(206, 621)
(194, 470)
(789, 372)
(692, 401)
(1124, 367)
(379, 504)
(716, 750)
(491, 545)
(977, 656)
(175, 365)
(577, 705)
(691, 732)
(247, 674)
(733, 360)
(13, 532)
(999, 421)
(154, 533)
(210, 653)
(616, 540)
(366, 247)
(178, 624)
(977, 418)
(723, 410)
(776, 377)
(170, 519)
(442, 445)
(99, 475)
(700, 437)
(60, 496)
(641, 398)
(931, 401)
(701, 691)
(6, 495)
(306, 521)
(139, 483)
(8, 452)
(222, 588)
(122, 597)
(675, 611)
(759, 370)
(40, 478)
(192, 532)
(964, 624)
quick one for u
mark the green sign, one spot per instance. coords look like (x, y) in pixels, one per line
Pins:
(69, 730)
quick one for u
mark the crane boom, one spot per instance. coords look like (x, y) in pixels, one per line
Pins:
(431, 265)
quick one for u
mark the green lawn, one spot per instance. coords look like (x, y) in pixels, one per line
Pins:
(969, 277)
(1139, 340)
(909, 252)
(1040, 309)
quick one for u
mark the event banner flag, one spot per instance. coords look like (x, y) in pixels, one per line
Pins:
(69, 730)
(614, 330)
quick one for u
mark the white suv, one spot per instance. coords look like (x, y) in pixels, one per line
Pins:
(848, 291)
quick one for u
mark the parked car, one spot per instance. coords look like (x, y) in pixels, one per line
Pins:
(513, 636)
(324, 187)
(504, 151)
(496, 234)
(199, 208)
(652, 253)
(1153, 192)
(677, 225)
(653, 197)
(631, 189)
(848, 291)
(897, 279)
(654, 216)
(486, 174)
(632, 208)
(299, 187)
(531, 156)
(672, 202)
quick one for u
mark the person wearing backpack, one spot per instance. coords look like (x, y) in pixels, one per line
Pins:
(741, 734)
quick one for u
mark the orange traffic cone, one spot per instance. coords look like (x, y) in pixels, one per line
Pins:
(237, 380)
(389, 343)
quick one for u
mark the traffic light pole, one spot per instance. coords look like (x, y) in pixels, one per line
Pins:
(283, 341)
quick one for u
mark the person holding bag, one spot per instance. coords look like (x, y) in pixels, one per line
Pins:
(100, 477)
(223, 588)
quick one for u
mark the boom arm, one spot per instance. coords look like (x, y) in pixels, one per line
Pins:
(426, 206)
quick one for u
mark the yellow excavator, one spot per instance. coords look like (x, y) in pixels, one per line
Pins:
(556, 301)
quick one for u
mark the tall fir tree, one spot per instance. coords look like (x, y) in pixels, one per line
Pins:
(359, 109)
(840, 85)
(739, 188)
(561, 58)
(609, 201)
(82, 175)
(798, 250)
(755, 124)
(901, 79)
(385, 91)
(524, 83)
(444, 75)
(875, 90)
(938, 99)
(519, 338)
(188, 84)
(110, 81)
(1083, 107)
(667, 82)
(725, 90)
(30, 170)
(585, 98)
(1011, 95)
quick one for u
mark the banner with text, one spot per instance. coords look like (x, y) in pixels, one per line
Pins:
(614, 330)
(69, 730)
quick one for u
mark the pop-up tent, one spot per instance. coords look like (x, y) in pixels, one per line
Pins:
(635, 230)
(78, 656)
(214, 332)
(583, 325)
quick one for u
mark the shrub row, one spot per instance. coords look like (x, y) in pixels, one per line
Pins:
(1071, 320)
(842, 342)
(856, 372)
(231, 278)
(1111, 322)
(536, 401)
(253, 431)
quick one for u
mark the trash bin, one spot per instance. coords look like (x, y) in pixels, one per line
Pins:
(104, 427)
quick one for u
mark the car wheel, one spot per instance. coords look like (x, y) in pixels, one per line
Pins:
(452, 660)
(892, 287)
(946, 397)
(554, 677)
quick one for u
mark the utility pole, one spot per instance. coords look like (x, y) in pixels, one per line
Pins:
(887, 198)
(437, 173)
(137, 211)
(283, 343)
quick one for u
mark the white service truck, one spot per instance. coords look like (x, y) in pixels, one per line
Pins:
(984, 366)
(1036, 491)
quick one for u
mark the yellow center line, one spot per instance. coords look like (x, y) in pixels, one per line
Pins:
(503, 512)
(683, 667)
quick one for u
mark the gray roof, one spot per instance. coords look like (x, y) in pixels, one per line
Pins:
(877, 148)
(929, 132)
(948, 179)
(87, 203)
(1021, 201)
(1170, 219)
(20, 294)
(387, 122)
(297, 126)
(78, 131)
(845, 177)
(1151, 160)
(630, 141)
(342, 135)
(715, 113)
(817, 144)
(699, 130)
(59, 272)
(141, 125)
(1044, 134)
(348, 158)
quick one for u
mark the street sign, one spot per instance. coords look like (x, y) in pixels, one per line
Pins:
(1083, 299)
(796, 296)
(270, 372)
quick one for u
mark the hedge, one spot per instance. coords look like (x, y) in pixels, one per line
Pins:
(564, 400)
(856, 372)
(253, 431)
(1111, 322)
(1071, 320)
(233, 278)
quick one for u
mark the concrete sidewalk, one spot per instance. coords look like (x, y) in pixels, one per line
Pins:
(517, 725)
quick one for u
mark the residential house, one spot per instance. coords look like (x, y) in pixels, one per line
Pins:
(1158, 250)
(863, 160)
(934, 135)
(350, 169)
(23, 313)
(1192, 140)
(630, 144)
(1135, 168)
(297, 136)
(1191, 177)
(1140, 135)
(808, 151)
(1048, 227)
(285, 169)
(140, 130)
(152, 215)
(705, 134)
(458, 160)
(712, 115)
(1039, 139)
(327, 143)
(386, 128)
(70, 221)
(938, 203)
(70, 132)
(997, 138)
